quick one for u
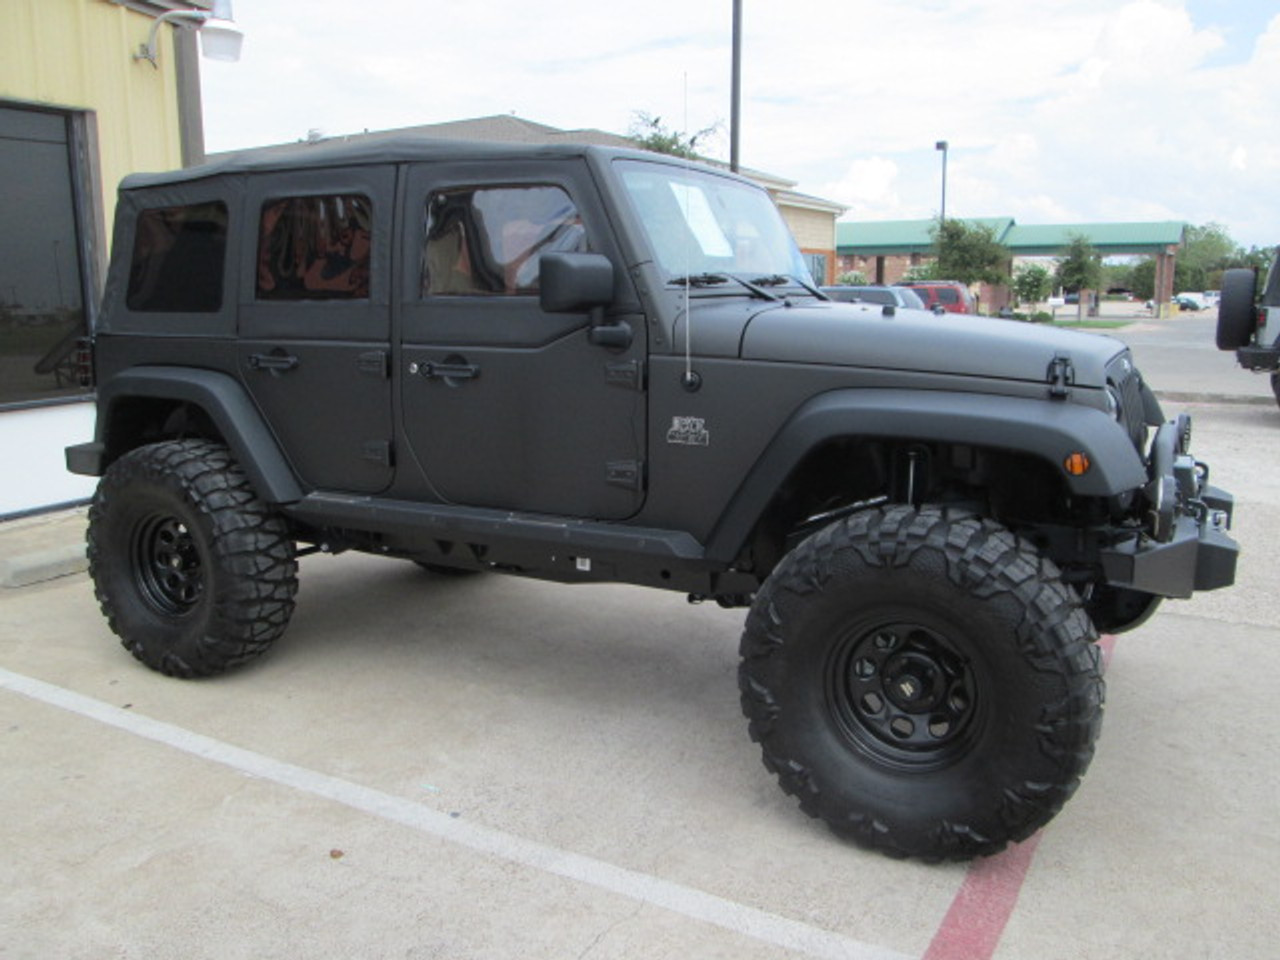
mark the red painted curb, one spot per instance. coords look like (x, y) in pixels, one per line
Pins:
(976, 919)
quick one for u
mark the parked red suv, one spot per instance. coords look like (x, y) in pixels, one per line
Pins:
(942, 296)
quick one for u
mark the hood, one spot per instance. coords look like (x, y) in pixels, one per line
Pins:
(852, 334)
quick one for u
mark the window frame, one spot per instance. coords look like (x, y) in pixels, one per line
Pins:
(488, 320)
(215, 306)
(89, 241)
(313, 296)
(331, 319)
(425, 214)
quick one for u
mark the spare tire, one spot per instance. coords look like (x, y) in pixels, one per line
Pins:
(1237, 317)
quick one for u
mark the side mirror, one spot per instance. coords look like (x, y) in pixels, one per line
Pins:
(574, 282)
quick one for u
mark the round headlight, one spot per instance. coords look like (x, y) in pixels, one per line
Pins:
(1114, 405)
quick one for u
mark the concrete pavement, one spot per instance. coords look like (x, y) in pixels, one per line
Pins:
(491, 767)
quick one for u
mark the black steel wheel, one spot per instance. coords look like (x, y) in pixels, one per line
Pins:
(900, 690)
(922, 681)
(193, 572)
(167, 564)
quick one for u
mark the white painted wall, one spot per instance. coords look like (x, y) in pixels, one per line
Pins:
(33, 470)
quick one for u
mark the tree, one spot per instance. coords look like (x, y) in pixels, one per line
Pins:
(1142, 279)
(650, 133)
(1203, 252)
(969, 253)
(1031, 284)
(852, 278)
(1080, 269)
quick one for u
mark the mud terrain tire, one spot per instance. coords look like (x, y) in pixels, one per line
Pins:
(192, 571)
(923, 681)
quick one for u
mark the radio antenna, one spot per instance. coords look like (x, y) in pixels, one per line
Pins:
(690, 381)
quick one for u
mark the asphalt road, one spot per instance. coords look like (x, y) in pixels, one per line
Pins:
(489, 767)
(1178, 357)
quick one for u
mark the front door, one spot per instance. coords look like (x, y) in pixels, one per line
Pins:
(507, 406)
(315, 326)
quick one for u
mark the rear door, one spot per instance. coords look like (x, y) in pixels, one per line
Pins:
(505, 405)
(315, 325)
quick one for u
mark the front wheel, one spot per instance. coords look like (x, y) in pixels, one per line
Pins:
(922, 681)
(192, 571)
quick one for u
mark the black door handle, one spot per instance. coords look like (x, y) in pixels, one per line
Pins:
(274, 362)
(449, 370)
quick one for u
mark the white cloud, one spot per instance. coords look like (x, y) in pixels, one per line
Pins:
(1058, 110)
(868, 187)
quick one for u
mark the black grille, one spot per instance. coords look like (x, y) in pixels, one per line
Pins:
(1127, 381)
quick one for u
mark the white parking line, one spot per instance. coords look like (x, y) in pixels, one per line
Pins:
(686, 901)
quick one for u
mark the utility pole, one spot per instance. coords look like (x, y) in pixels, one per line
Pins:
(942, 145)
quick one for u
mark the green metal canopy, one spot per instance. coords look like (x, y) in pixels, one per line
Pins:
(899, 237)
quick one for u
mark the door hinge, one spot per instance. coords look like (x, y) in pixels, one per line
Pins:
(1061, 376)
(628, 474)
(628, 374)
(378, 451)
(374, 363)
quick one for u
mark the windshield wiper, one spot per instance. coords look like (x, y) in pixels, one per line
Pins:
(714, 279)
(778, 279)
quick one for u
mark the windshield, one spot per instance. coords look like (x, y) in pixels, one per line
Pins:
(699, 223)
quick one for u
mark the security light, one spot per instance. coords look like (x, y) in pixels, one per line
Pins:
(220, 39)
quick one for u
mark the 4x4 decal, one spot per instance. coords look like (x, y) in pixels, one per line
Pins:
(689, 432)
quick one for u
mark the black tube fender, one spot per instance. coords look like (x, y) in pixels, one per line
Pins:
(226, 403)
(1049, 430)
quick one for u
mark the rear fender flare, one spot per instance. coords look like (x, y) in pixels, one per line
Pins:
(226, 403)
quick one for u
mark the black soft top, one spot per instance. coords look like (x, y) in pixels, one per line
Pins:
(395, 149)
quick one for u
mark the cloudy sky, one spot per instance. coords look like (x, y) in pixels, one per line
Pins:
(1056, 111)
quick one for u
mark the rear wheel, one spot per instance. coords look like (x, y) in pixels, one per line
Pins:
(1236, 315)
(922, 681)
(1275, 386)
(192, 571)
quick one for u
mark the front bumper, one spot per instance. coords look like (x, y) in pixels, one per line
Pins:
(1185, 546)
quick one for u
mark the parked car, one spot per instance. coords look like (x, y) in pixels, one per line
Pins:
(949, 295)
(1250, 328)
(876, 293)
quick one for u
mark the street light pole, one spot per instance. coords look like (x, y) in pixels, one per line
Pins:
(942, 145)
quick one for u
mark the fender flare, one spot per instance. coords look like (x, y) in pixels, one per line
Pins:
(230, 408)
(1044, 429)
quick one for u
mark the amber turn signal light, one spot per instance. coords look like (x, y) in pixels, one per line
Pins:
(1077, 464)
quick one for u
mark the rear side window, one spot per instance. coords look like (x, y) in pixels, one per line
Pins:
(178, 259)
(315, 248)
(487, 242)
(947, 295)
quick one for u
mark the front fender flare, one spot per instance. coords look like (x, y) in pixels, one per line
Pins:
(230, 408)
(1049, 430)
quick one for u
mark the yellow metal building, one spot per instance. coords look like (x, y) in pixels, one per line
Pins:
(78, 111)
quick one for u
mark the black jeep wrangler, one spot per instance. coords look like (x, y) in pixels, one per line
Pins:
(583, 365)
